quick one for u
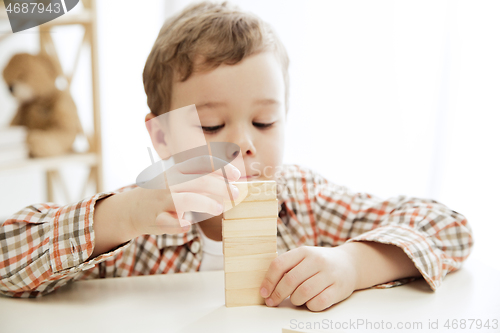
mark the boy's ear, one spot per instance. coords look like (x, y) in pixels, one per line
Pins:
(157, 135)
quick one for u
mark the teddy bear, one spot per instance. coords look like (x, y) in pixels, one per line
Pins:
(49, 114)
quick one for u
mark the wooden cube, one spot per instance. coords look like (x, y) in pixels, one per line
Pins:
(252, 191)
(249, 241)
(257, 191)
(244, 297)
(252, 262)
(253, 209)
(243, 246)
(250, 227)
(244, 279)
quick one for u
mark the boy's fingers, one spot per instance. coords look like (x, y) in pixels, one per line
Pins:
(308, 289)
(185, 202)
(279, 266)
(325, 299)
(291, 280)
(206, 184)
(168, 224)
(203, 165)
(232, 172)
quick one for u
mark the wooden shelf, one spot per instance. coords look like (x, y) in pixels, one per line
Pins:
(52, 163)
(4, 19)
(84, 16)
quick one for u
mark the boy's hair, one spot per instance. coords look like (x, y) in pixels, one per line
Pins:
(217, 33)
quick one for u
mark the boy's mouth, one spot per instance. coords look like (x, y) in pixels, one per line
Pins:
(248, 177)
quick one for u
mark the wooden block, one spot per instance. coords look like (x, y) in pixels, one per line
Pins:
(242, 297)
(253, 262)
(244, 280)
(253, 209)
(257, 191)
(250, 227)
(249, 241)
(253, 191)
(242, 246)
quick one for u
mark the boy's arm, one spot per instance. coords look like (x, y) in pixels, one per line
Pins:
(44, 246)
(378, 263)
(382, 234)
(130, 214)
(111, 223)
(361, 241)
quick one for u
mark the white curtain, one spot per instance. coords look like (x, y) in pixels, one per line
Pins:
(397, 97)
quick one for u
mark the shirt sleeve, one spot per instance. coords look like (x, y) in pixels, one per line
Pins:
(436, 238)
(44, 246)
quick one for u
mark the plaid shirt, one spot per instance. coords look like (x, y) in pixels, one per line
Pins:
(44, 246)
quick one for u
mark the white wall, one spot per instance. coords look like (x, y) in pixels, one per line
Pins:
(387, 97)
(126, 35)
(397, 97)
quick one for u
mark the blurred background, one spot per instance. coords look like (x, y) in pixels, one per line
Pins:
(387, 97)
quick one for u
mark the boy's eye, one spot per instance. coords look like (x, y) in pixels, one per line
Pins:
(211, 129)
(263, 125)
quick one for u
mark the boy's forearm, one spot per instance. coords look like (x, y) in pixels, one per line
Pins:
(377, 263)
(112, 225)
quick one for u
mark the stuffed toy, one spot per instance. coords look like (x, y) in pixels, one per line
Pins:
(49, 114)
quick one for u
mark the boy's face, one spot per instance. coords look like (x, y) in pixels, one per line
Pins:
(242, 104)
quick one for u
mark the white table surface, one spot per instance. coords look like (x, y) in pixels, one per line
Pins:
(194, 302)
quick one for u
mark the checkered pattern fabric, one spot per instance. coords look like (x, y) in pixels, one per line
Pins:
(45, 246)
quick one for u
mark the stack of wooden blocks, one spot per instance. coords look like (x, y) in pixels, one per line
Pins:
(249, 241)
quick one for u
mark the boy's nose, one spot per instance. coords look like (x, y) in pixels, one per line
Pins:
(248, 152)
(244, 141)
(232, 152)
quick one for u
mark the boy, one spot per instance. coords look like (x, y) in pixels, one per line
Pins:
(331, 242)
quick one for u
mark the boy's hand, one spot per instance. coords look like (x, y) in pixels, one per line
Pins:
(316, 276)
(195, 188)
